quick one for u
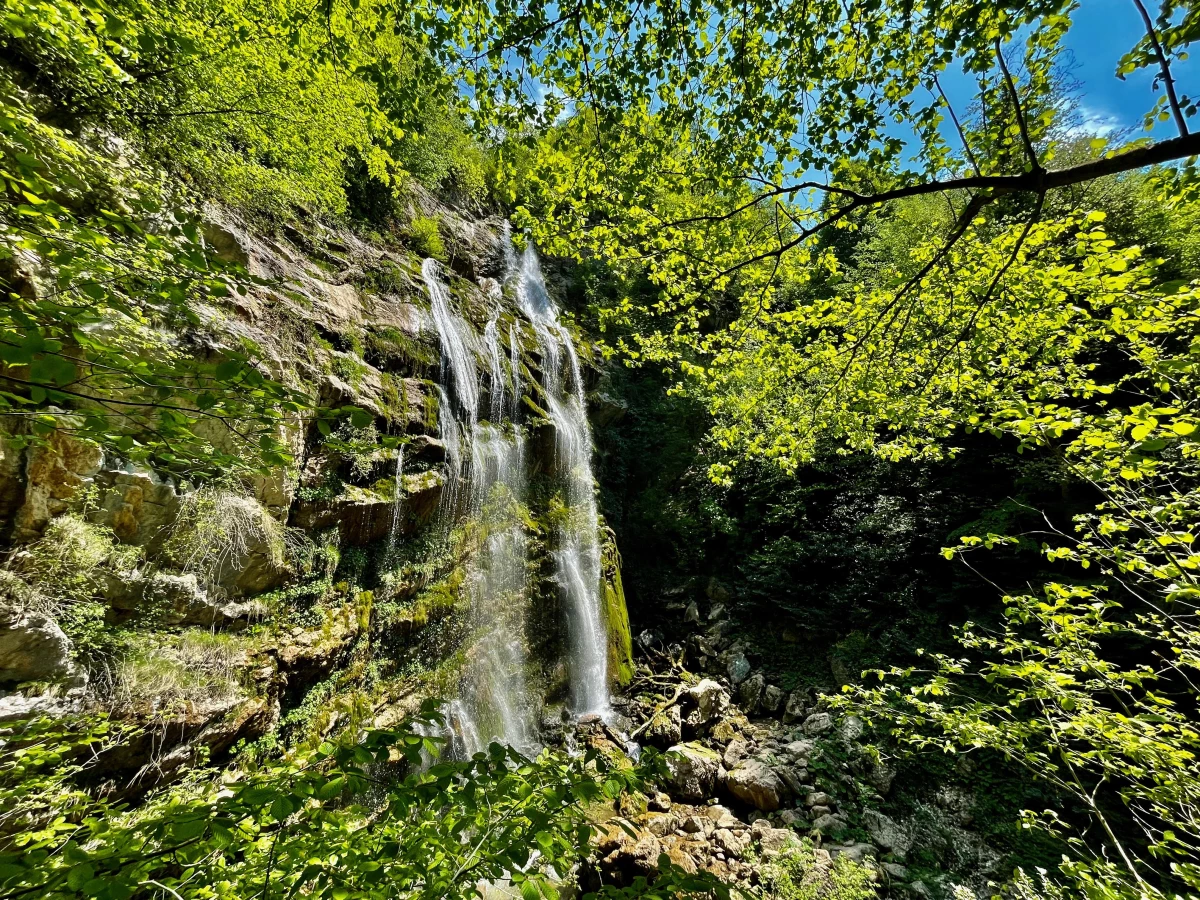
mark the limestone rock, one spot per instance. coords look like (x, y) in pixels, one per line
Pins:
(794, 710)
(735, 753)
(661, 824)
(707, 702)
(895, 871)
(773, 841)
(732, 843)
(137, 504)
(817, 723)
(887, 833)
(55, 472)
(723, 818)
(738, 668)
(818, 798)
(853, 851)
(692, 614)
(772, 700)
(830, 822)
(750, 692)
(851, 728)
(172, 599)
(665, 729)
(660, 802)
(623, 858)
(33, 648)
(755, 783)
(693, 771)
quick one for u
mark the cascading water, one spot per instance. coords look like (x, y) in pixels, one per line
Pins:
(397, 499)
(486, 486)
(485, 462)
(577, 559)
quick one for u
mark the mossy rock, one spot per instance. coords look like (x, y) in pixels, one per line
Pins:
(616, 618)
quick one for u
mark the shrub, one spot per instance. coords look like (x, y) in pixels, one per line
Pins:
(809, 874)
(426, 238)
(198, 667)
(218, 529)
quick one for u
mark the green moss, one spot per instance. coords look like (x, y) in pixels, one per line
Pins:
(616, 618)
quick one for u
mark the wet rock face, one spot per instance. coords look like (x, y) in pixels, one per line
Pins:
(173, 600)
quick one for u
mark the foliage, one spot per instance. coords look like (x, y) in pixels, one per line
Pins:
(218, 528)
(313, 821)
(808, 874)
(195, 669)
(426, 238)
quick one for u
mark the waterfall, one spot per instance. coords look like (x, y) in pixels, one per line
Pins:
(577, 559)
(485, 462)
(397, 499)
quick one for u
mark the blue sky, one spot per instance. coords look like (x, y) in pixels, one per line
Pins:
(1103, 31)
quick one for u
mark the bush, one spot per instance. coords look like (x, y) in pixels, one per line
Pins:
(809, 874)
(198, 667)
(426, 238)
(218, 529)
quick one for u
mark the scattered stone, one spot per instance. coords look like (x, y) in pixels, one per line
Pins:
(693, 771)
(818, 798)
(660, 802)
(816, 812)
(895, 870)
(887, 833)
(791, 817)
(738, 668)
(716, 612)
(692, 825)
(755, 783)
(750, 692)
(795, 708)
(799, 752)
(692, 615)
(817, 723)
(727, 730)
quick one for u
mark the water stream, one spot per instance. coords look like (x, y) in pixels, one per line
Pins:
(486, 489)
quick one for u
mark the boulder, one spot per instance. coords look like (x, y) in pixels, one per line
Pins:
(790, 817)
(56, 471)
(734, 754)
(660, 802)
(755, 783)
(750, 692)
(692, 769)
(772, 700)
(738, 668)
(692, 614)
(623, 858)
(773, 841)
(895, 871)
(34, 648)
(665, 729)
(707, 702)
(853, 851)
(731, 843)
(830, 822)
(794, 779)
(887, 833)
(795, 708)
(170, 599)
(817, 723)
(722, 817)
(818, 798)
(851, 728)
(137, 504)
(661, 824)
